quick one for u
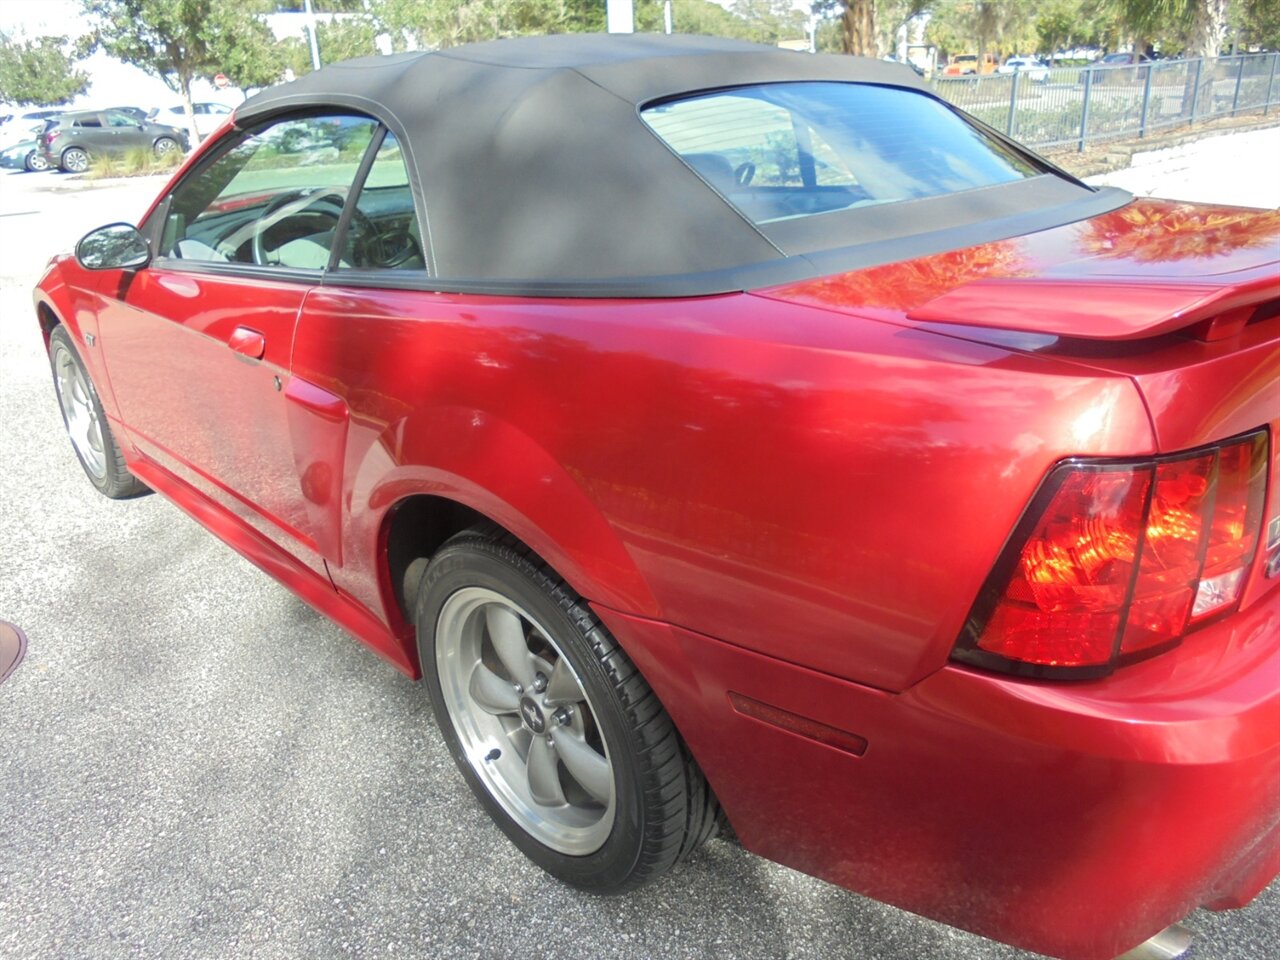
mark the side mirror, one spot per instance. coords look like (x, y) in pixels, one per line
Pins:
(117, 246)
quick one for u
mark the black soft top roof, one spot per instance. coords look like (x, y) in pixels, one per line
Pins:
(533, 171)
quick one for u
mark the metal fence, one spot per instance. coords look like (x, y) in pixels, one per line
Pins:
(1056, 106)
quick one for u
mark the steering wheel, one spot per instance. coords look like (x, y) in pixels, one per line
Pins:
(744, 173)
(392, 249)
(327, 203)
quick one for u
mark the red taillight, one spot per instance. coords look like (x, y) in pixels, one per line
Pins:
(1065, 597)
(1236, 527)
(1171, 552)
(1116, 561)
(51, 136)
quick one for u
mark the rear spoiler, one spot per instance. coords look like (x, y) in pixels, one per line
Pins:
(1128, 309)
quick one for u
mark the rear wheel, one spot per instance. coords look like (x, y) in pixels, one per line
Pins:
(35, 161)
(552, 726)
(86, 424)
(74, 160)
(165, 145)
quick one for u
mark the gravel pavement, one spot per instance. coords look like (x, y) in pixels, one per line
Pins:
(194, 764)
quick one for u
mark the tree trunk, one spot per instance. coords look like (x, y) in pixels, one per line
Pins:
(988, 28)
(185, 83)
(1209, 28)
(858, 28)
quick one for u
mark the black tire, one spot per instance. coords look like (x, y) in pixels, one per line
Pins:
(664, 807)
(97, 451)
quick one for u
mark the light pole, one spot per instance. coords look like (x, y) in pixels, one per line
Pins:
(311, 33)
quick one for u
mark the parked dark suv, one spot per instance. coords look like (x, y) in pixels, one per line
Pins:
(71, 140)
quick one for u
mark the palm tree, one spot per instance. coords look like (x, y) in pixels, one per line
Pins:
(1202, 22)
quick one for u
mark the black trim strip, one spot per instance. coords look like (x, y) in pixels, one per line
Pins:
(246, 270)
(907, 220)
(353, 195)
(757, 275)
(1009, 217)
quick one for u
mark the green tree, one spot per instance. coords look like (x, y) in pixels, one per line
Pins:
(703, 18)
(982, 26)
(322, 6)
(39, 72)
(1257, 23)
(892, 16)
(768, 21)
(1201, 25)
(338, 40)
(864, 27)
(433, 24)
(180, 40)
(856, 21)
(1057, 26)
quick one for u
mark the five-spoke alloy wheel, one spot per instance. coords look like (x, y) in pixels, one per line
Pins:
(79, 412)
(552, 726)
(91, 437)
(524, 720)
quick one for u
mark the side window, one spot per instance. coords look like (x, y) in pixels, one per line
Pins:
(777, 151)
(383, 233)
(91, 121)
(119, 120)
(272, 199)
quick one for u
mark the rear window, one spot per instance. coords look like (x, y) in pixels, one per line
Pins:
(786, 150)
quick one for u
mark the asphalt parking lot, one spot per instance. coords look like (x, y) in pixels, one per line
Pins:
(194, 764)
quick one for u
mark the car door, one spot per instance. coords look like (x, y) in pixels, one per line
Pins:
(353, 330)
(125, 132)
(198, 344)
(91, 133)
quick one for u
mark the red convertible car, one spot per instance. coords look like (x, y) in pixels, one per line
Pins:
(728, 434)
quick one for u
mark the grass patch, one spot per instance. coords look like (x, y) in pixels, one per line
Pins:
(134, 162)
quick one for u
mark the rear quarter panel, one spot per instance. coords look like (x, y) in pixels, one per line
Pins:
(828, 490)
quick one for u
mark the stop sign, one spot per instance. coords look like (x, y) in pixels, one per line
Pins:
(221, 82)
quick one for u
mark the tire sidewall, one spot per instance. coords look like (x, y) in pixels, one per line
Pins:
(477, 563)
(110, 484)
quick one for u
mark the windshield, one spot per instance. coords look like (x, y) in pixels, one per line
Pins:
(786, 150)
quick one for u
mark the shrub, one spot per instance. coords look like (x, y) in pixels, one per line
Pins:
(134, 162)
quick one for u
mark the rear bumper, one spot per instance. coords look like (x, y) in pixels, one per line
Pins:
(1076, 820)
